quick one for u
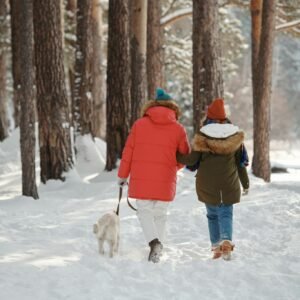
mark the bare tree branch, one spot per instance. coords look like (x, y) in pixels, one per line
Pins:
(166, 12)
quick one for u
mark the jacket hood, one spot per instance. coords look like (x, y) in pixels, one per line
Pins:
(219, 131)
(224, 146)
(161, 115)
(161, 112)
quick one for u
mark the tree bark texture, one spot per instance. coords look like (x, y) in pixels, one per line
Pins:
(262, 86)
(71, 6)
(83, 70)
(138, 42)
(27, 112)
(16, 31)
(256, 17)
(3, 98)
(207, 68)
(99, 123)
(52, 102)
(118, 87)
(3, 70)
(154, 48)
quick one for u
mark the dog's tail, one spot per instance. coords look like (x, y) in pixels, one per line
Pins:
(95, 228)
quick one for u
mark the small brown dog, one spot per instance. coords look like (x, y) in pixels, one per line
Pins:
(108, 229)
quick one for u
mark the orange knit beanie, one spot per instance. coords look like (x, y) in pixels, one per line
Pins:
(216, 110)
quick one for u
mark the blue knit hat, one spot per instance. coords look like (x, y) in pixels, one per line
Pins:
(162, 95)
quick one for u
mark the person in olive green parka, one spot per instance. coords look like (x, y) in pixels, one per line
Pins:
(218, 150)
(219, 174)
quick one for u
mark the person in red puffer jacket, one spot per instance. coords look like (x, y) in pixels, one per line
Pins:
(149, 158)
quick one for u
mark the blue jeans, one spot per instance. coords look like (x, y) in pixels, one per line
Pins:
(219, 222)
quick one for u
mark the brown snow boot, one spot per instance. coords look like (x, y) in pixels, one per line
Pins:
(155, 250)
(226, 247)
(217, 253)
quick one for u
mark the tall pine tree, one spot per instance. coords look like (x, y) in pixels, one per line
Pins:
(207, 69)
(263, 30)
(154, 48)
(83, 76)
(3, 94)
(52, 102)
(27, 112)
(16, 31)
(97, 71)
(138, 42)
(118, 87)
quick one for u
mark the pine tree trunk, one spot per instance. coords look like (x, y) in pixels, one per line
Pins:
(207, 69)
(256, 17)
(71, 17)
(118, 89)
(262, 86)
(83, 80)
(138, 41)
(97, 71)
(52, 102)
(3, 98)
(154, 48)
(3, 94)
(16, 31)
(27, 112)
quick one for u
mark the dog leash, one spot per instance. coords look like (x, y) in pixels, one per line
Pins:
(120, 198)
(130, 205)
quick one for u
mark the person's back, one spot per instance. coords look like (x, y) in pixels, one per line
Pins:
(217, 154)
(149, 158)
(219, 172)
(157, 136)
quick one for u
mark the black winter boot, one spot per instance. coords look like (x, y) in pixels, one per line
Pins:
(155, 250)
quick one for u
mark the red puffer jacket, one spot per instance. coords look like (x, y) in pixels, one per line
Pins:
(149, 155)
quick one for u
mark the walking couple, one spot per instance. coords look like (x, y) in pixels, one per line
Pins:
(157, 147)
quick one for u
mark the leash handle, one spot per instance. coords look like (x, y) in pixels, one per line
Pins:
(120, 198)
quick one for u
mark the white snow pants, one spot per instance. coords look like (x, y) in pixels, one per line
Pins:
(152, 215)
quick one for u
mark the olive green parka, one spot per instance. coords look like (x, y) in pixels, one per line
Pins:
(220, 172)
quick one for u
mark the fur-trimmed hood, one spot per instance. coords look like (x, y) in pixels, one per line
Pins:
(165, 103)
(224, 146)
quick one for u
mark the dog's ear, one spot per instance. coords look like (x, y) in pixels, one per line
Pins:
(95, 228)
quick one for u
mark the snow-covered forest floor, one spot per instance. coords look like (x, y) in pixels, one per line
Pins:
(48, 250)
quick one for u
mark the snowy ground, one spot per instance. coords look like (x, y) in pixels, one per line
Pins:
(48, 251)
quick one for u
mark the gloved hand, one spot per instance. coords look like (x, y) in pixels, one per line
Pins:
(122, 181)
(245, 192)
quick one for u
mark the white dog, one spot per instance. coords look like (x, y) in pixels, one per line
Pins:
(108, 229)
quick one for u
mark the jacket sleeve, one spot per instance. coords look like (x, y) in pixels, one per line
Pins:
(242, 171)
(189, 159)
(183, 147)
(125, 166)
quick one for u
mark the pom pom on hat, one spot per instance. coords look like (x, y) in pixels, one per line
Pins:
(162, 95)
(216, 110)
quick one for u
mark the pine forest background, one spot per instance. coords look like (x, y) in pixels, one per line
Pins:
(86, 67)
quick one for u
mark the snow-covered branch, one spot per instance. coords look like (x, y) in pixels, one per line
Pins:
(175, 16)
(288, 25)
(185, 12)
